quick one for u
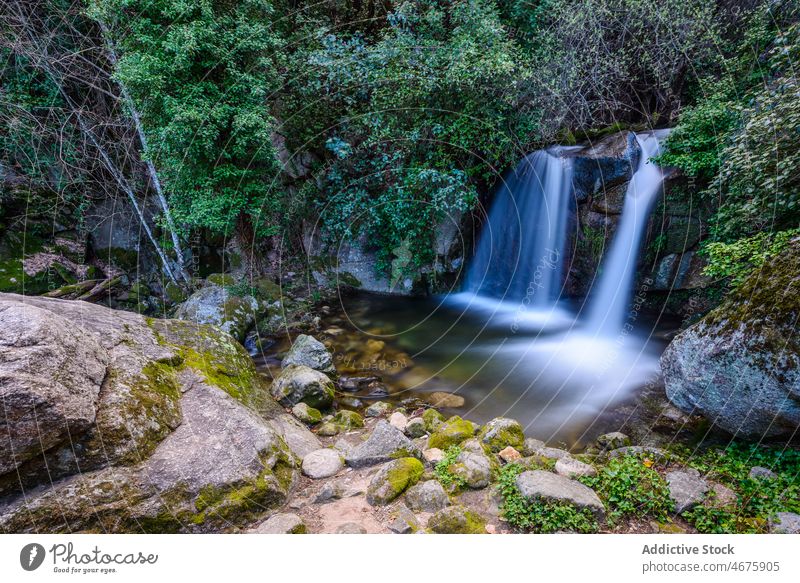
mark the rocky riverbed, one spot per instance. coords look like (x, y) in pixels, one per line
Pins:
(119, 423)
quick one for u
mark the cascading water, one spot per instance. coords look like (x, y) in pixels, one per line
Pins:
(521, 250)
(609, 303)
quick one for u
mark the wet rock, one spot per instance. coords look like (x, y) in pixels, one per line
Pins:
(538, 484)
(456, 520)
(298, 383)
(740, 365)
(572, 468)
(416, 428)
(428, 496)
(307, 414)
(474, 467)
(393, 479)
(384, 444)
(378, 409)
(50, 376)
(354, 384)
(443, 400)
(215, 305)
(613, 440)
(758, 472)
(502, 432)
(308, 351)
(322, 463)
(398, 421)
(283, 523)
(350, 528)
(785, 523)
(686, 489)
(351, 402)
(452, 432)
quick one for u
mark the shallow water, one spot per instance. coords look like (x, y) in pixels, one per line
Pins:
(542, 368)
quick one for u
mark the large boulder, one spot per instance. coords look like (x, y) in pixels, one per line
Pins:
(180, 436)
(740, 365)
(214, 304)
(51, 373)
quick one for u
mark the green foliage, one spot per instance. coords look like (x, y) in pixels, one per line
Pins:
(758, 498)
(631, 488)
(737, 260)
(442, 469)
(538, 515)
(200, 74)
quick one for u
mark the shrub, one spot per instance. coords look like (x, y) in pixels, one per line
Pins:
(631, 488)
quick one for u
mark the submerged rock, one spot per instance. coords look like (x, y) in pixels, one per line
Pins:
(740, 365)
(308, 351)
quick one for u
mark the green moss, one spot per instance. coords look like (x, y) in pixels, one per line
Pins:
(452, 432)
(222, 279)
(456, 520)
(432, 419)
(501, 433)
(348, 420)
(175, 293)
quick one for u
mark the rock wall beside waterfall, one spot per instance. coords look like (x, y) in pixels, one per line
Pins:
(740, 365)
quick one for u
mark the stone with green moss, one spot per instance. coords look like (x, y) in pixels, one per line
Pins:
(328, 429)
(393, 479)
(306, 414)
(223, 279)
(452, 432)
(502, 432)
(348, 420)
(456, 520)
(433, 419)
(378, 409)
(298, 383)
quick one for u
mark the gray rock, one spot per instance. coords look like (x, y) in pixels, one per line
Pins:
(785, 523)
(552, 453)
(572, 468)
(328, 429)
(656, 453)
(740, 365)
(502, 432)
(322, 463)
(456, 520)
(350, 528)
(215, 305)
(531, 446)
(306, 414)
(428, 496)
(405, 523)
(384, 444)
(538, 484)
(308, 351)
(474, 467)
(298, 383)
(416, 428)
(762, 473)
(50, 376)
(398, 421)
(300, 440)
(686, 489)
(378, 409)
(283, 523)
(723, 497)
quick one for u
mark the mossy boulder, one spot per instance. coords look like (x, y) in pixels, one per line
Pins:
(214, 304)
(298, 383)
(740, 365)
(348, 420)
(393, 479)
(452, 432)
(456, 520)
(502, 432)
(433, 419)
(306, 414)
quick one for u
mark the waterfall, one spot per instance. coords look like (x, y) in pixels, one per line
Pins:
(520, 252)
(609, 303)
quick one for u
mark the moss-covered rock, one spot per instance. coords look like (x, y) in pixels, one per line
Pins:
(433, 419)
(456, 520)
(452, 432)
(348, 420)
(306, 414)
(298, 383)
(393, 479)
(502, 432)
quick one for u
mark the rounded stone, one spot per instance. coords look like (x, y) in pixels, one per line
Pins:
(322, 463)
